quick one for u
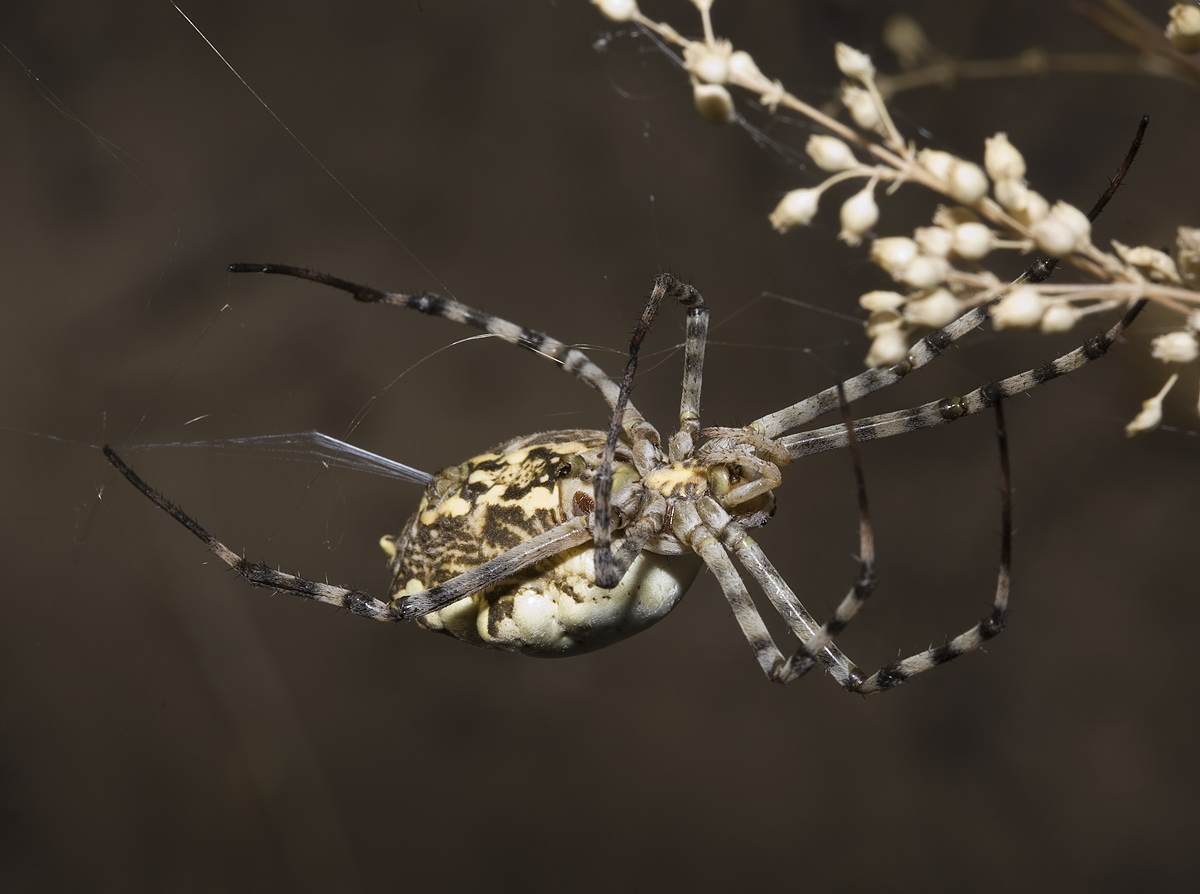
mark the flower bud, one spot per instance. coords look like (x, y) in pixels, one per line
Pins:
(709, 65)
(742, 65)
(873, 301)
(1151, 413)
(1184, 28)
(1064, 230)
(617, 10)
(972, 241)
(1034, 207)
(1059, 317)
(714, 103)
(936, 162)
(1013, 195)
(934, 310)
(965, 182)
(1187, 244)
(862, 108)
(968, 184)
(1175, 347)
(796, 209)
(894, 253)
(1157, 265)
(881, 321)
(853, 63)
(924, 272)
(830, 153)
(889, 347)
(1002, 160)
(1020, 308)
(935, 241)
(859, 214)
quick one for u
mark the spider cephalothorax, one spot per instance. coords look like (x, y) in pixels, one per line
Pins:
(561, 542)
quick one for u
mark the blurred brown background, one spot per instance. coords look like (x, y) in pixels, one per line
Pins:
(165, 727)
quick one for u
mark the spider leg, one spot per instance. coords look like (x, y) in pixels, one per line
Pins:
(561, 537)
(802, 624)
(897, 672)
(644, 437)
(548, 543)
(693, 373)
(690, 528)
(355, 601)
(951, 408)
(803, 660)
(571, 359)
(775, 424)
(816, 644)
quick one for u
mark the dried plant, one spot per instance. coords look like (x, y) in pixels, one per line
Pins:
(942, 270)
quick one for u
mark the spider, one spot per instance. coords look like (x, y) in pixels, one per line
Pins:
(562, 542)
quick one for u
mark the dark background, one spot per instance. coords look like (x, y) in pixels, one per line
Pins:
(163, 726)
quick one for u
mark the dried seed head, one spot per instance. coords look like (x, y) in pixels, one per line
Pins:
(1064, 230)
(972, 241)
(1002, 160)
(859, 214)
(924, 272)
(1034, 208)
(1013, 195)
(968, 184)
(708, 64)
(1175, 347)
(1020, 308)
(881, 321)
(1059, 317)
(796, 209)
(743, 66)
(1184, 28)
(1187, 241)
(853, 63)
(830, 154)
(617, 10)
(1157, 265)
(714, 103)
(894, 253)
(888, 348)
(965, 182)
(935, 241)
(873, 301)
(1151, 413)
(862, 108)
(935, 309)
(936, 162)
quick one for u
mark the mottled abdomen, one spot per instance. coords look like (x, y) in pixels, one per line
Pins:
(479, 510)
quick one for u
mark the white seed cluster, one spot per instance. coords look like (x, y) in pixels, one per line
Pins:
(940, 269)
(1184, 28)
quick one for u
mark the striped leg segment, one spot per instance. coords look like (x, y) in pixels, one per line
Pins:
(898, 671)
(644, 437)
(355, 601)
(572, 360)
(950, 409)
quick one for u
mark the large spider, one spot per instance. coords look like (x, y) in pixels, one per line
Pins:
(562, 542)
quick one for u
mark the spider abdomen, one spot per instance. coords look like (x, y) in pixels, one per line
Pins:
(484, 507)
